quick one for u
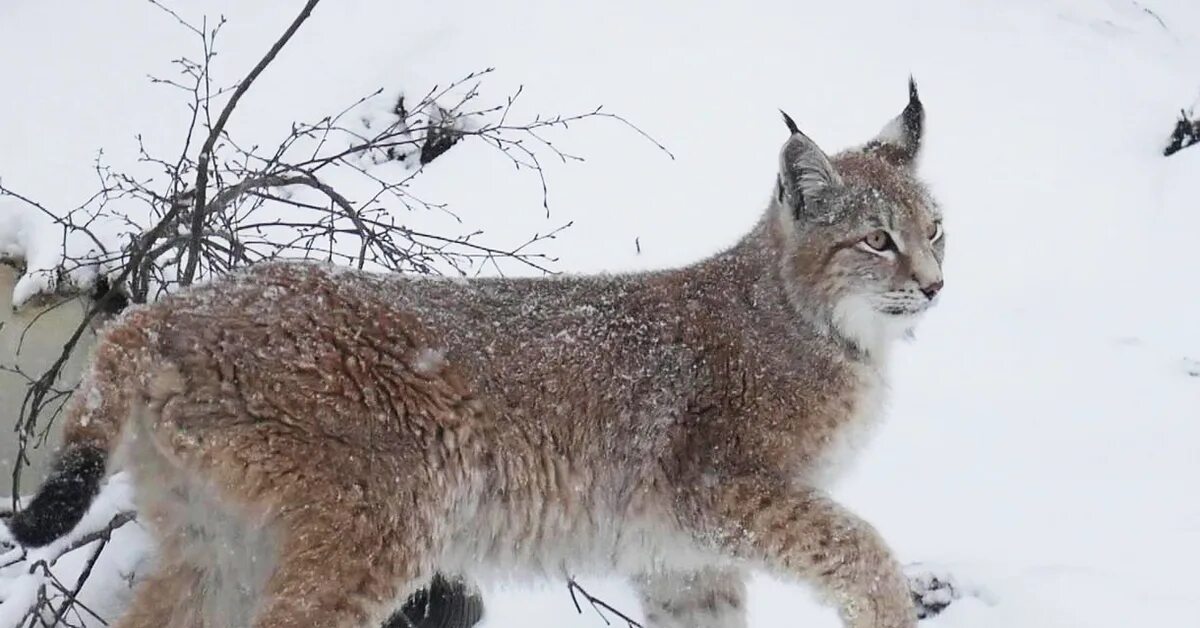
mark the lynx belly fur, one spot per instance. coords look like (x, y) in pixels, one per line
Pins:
(311, 444)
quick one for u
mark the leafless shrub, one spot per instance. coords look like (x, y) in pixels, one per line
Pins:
(217, 205)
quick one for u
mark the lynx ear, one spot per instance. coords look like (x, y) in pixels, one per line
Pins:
(804, 170)
(900, 140)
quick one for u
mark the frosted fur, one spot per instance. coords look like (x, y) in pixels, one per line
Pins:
(310, 444)
(804, 170)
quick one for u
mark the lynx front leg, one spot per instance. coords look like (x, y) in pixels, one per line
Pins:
(802, 533)
(711, 598)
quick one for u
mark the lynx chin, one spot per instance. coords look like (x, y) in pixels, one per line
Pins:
(310, 444)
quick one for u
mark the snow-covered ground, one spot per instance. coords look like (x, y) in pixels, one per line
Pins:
(1043, 436)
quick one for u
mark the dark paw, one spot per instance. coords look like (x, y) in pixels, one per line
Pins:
(446, 603)
(932, 593)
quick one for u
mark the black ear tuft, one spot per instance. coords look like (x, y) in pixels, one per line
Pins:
(914, 118)
(791, 124)
(900, 140)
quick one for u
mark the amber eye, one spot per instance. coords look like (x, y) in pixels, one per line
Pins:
(936, 233)
(879, 240)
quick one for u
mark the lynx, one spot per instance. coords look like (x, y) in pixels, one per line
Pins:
(310, 444)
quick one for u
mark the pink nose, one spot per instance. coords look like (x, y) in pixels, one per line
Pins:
(932, 289)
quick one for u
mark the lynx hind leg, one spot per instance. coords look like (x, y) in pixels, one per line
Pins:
(710, 598)
(170, 598)
(343, 565)
(287, 542)
(803, 534)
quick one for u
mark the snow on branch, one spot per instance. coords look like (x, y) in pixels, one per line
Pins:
(55, 257)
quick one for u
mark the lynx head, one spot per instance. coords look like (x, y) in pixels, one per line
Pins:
(862, 238)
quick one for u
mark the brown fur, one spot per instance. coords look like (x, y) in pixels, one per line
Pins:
(310, 444)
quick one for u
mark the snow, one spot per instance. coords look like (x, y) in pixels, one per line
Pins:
(41, 244)
(27, 237)
(1041, 437)
(107, 591)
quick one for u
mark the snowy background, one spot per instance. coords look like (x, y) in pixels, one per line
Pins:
(1044, 433)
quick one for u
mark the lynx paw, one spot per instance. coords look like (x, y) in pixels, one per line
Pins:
(932, 592)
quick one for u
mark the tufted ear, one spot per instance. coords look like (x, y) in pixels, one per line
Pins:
(900, 140)
(804, 171)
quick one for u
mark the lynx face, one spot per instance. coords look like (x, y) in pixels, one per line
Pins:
(864, 238)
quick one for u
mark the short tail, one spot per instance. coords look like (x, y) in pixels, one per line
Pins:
(93, 421)
(63, 499)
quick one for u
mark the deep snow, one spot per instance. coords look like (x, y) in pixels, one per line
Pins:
(1042, 437)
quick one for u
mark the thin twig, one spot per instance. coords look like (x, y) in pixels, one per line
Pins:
(598, 605)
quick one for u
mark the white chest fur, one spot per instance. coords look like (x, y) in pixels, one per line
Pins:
(843, 445)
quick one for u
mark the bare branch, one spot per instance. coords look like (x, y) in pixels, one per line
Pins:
(189, 272)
